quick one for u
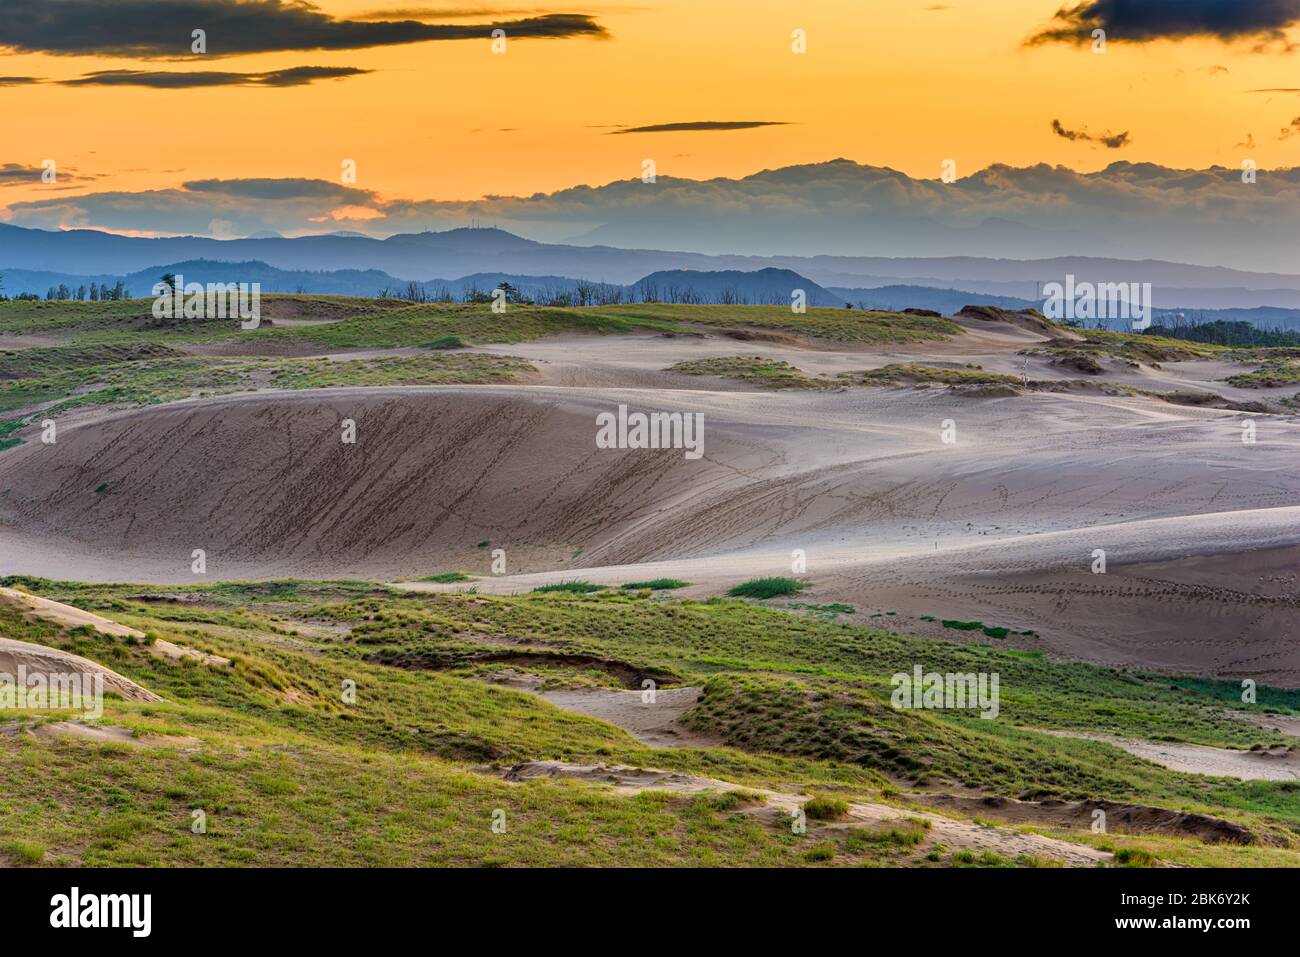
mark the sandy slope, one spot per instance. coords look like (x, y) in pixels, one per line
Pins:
(1200, 531)
(66, 615)
(39, 659)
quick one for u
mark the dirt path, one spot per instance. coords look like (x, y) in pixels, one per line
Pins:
(112, 734)
(652, 722)
(1273, 764)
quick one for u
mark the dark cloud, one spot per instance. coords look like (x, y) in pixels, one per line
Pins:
(19, 80)
(168, 80)
(18, 174)
(162, 28)
(703, 125)
(278, 189)
(1112, 141)
(1142, 21)
(447, 13)
(1291, 130)
(14, 173)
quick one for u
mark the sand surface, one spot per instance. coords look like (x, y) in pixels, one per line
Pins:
(1271, 764)
(654, 722)
(39, 659)
(1201, 532)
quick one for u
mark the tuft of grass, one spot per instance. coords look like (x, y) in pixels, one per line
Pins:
(25, 852)
(1134, 857)
(657, 584)
(731, 800)
(575, 587)
(446, 578)
(448, 342)
(822, 852)
(823, 808)
(764, 588)
(835, 608)
(993, 631)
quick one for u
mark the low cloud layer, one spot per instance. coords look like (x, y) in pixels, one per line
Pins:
(162, 28)
(1262, 22)
(1133, 210)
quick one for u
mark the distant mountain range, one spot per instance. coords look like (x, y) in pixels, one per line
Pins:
(1129, 211)
(346, 264)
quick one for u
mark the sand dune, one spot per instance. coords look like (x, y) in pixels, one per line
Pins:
(39, 659)
(1000, 526)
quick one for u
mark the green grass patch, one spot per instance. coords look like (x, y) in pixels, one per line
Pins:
(291, 774)
(764, 588)
(756, 370)
(657, 584)
(575, 587)
(1269, 376)
(822, 808)
(913, 373)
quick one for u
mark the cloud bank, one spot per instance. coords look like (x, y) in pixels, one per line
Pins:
(1131, 210)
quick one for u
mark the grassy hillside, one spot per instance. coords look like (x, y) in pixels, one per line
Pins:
(287, 772)
(118, 354)
(385, 322)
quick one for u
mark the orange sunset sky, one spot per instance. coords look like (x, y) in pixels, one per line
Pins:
(895, 83)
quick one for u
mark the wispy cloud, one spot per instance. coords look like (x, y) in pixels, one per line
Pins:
(20, 174)
(463, 12)
(175, 80)
(1111, 141)
(700, 126)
